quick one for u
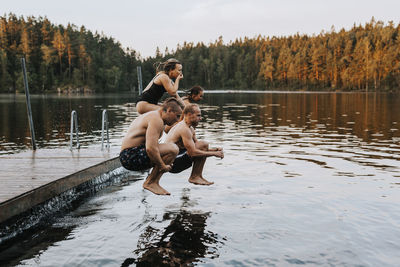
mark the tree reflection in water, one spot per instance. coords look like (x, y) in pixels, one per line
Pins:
(183, 242)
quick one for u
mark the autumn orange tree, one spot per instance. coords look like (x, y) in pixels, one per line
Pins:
(62, 57)
(365, 57)
(362, 58)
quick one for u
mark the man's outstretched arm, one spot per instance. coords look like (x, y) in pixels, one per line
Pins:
(193, 151)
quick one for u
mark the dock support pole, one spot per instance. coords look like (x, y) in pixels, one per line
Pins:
(74, 122)
(28, 104)
(140, 82)
(104, 127)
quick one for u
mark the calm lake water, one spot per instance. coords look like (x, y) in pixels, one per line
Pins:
(307, 178)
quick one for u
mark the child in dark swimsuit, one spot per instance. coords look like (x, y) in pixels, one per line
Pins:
(195, 94)
(161, 83)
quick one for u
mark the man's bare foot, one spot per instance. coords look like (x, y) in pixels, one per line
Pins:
(155, 188)
(199, 181)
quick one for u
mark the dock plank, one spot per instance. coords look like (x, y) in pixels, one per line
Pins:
(25, 171)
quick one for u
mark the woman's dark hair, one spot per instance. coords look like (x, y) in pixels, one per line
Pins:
(195, 90)
(167, 66)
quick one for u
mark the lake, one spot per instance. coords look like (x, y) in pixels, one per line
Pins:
(307, 178)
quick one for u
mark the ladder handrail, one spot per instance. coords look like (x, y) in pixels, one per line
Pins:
(74, 121)
(104, 124)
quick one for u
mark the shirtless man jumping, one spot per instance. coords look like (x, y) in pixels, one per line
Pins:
(140, 149)
(191, 150)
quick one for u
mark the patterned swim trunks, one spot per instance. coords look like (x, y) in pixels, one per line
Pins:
(135, 158)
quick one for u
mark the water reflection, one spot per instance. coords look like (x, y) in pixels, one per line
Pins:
(31, 245)
(296, 163)
(56, 221)
(369, 116)
(51, 117)
(318, 128)
(183, 242)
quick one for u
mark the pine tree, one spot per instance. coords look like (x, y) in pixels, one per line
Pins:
(59, 45)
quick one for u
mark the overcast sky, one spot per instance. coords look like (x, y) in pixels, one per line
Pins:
(144, 25)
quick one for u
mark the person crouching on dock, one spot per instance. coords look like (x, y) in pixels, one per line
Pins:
(140, 149)
(192, 152)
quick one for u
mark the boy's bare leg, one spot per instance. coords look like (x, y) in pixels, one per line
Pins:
(168, 153)
(196, 177)
(152, 182)
(143, 107)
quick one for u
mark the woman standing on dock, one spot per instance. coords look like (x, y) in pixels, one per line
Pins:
(161, 83)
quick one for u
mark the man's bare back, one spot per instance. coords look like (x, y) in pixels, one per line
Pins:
(136, 134)
(140, 149)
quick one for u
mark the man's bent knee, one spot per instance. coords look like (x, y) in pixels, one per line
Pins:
(143, 107)
(173, 149)
(202, 145)
(168, 149)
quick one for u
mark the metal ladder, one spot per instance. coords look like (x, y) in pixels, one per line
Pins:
(104, 129)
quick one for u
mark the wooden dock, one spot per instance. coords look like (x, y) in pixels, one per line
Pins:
(32, 177)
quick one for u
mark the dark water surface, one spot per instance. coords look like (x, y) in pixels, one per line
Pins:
(307, 178)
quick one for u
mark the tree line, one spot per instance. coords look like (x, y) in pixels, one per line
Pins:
(366, 57)
(59, 57)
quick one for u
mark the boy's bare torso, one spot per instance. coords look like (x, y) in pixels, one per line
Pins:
(136, 134)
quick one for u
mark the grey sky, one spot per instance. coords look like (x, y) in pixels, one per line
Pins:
(144, 25)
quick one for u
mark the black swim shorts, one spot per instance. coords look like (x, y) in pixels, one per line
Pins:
(135, 158)
(182, 162)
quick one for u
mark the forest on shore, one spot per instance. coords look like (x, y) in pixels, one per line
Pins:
(62, 58)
